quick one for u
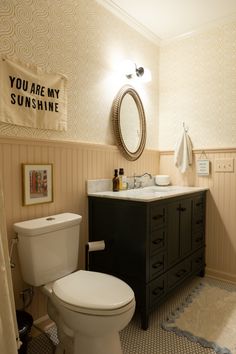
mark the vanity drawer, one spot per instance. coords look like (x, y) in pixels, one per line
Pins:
(158, 240)
(157, 289)
(158, 217)
(198, 239)
(198, 220)
(178, 273)
(157, 265)
(198, 260)
(198, 223)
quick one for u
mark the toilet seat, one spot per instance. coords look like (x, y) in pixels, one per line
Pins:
(93, 293)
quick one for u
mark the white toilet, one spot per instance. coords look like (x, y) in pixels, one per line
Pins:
(89, 308)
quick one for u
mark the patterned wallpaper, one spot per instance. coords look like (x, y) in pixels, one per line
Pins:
(198, 87)
(87, 43)
(194, 78)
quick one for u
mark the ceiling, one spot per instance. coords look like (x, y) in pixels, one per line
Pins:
(166, 19)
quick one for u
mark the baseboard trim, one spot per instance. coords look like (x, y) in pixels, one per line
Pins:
(212, 273)
(41, 320)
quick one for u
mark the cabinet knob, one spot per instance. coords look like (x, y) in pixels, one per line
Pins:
(180, 273)
(157, 265)
(198, 260)
(156, 217)
(181, 209)
(198, 239)
(157, 241)
(158, 290)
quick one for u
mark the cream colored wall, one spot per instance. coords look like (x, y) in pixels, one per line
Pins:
(87, 43)
(198, 86)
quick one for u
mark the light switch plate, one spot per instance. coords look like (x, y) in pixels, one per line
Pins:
(224, 165)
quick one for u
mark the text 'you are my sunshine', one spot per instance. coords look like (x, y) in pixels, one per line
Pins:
(38, 95)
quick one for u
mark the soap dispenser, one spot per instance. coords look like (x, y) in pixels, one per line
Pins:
(122, 179)
(121, 174)
(115, 181)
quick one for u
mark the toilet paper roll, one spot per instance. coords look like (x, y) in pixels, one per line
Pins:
(96, 246)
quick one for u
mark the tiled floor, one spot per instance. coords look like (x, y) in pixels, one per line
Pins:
(153, 341)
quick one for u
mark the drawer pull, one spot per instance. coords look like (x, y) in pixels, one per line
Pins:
(181, 209)
(198, 239)
(158, 290)
(180, 273)
(199, 204)
(198, 222)
(157, 217)
(157, 241)
(157, 265)
(198, 260)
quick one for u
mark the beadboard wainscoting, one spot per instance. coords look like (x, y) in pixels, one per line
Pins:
(221, 208)
(73, 164)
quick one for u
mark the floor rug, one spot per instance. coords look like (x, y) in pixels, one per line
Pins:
(208, 317)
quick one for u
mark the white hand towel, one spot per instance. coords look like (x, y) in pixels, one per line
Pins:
(183, 153)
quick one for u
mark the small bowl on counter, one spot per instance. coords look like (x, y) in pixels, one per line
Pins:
(162, 180)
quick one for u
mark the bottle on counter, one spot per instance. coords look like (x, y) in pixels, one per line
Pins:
(122, 180)
(121, 174)
(116, 182)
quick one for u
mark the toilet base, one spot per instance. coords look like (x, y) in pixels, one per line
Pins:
(72, 342)
(97, 345)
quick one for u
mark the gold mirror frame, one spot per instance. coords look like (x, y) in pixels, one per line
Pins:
(116, 108)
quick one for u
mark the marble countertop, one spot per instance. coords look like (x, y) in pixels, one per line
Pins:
(148, 194)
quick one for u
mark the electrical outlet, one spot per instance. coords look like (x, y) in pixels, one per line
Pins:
(224, 165)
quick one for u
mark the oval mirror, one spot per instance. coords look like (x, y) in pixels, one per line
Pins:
(129, 122)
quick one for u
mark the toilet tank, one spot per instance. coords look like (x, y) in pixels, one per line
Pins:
(48, 247)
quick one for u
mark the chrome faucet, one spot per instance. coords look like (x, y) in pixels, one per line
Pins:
(140, 183)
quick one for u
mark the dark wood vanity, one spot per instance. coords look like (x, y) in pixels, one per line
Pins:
(154, 246)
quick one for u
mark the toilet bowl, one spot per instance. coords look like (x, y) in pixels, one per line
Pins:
(89, 308)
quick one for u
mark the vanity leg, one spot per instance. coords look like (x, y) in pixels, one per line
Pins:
(202, 273)
(144, 320)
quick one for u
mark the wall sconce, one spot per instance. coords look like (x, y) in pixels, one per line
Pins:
(132, 71)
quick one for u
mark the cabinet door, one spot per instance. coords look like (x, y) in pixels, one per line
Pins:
(179, 230)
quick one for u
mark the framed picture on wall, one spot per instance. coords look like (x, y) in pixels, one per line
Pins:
(37, 183)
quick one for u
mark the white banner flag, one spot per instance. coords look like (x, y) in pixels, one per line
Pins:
(32, 97)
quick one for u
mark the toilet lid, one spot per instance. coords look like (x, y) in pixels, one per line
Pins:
(93, 290)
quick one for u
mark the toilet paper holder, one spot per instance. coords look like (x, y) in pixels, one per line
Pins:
(94, 246)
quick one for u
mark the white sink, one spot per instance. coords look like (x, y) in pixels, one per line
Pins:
(151, 190)
(154, 189)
